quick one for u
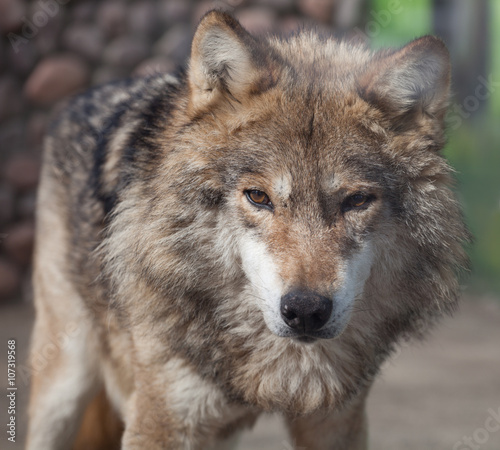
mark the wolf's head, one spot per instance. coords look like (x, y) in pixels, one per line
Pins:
(322, 160)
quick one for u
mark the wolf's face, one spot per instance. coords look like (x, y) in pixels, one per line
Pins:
(306, 218)
(305, 142)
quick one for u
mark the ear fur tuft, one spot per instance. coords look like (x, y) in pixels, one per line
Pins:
(415, 79)
(227, 63)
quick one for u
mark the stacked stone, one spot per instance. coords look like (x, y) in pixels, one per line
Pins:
(52, 49)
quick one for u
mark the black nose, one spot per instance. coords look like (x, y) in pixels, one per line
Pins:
(305, 311)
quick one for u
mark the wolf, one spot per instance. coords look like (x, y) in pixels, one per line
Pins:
(255, 233)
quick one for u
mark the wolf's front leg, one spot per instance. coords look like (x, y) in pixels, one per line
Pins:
(173, 407)
(64, 362)
(346, 430)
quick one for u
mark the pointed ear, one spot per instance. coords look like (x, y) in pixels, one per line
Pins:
(227, 63)
(414, 80)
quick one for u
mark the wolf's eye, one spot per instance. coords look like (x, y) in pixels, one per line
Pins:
(357, 200)
(259, 198)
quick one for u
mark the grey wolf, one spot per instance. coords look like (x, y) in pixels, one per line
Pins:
(253, 234)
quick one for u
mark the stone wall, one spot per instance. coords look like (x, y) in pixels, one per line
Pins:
(51, 49)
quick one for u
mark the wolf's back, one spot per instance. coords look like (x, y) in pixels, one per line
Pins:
(93, 138)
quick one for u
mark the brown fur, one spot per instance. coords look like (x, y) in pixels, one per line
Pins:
(100, 428)
(148, 241)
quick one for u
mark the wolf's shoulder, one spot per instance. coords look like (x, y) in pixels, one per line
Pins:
(89, 143)
(88, 122)
(91, 111)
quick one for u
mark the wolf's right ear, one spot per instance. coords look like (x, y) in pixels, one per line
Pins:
(227, 64)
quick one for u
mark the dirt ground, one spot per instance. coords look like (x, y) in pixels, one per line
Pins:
(438, 395)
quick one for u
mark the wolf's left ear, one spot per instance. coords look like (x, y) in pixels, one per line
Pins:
(226, 63)
(409, 81)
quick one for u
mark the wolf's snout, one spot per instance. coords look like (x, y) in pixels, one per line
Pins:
(305, 311)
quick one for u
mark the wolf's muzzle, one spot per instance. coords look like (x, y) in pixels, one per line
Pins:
(305, 311)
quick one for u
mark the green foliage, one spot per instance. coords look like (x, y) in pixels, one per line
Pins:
(474, 151)
(495, 53)
(396, 22)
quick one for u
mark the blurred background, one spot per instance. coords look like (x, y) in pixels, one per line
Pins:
(51, 49)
